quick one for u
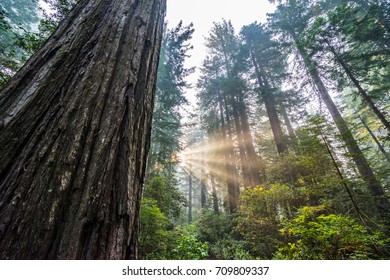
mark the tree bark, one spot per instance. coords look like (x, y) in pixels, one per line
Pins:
(230, 167)
(214, 195)
(246, 175)
(74, 136)
(376, 190)
(189, 197)
(287, 122)
(256, 166)
(234, 190)
(270, 106)
(203, 187)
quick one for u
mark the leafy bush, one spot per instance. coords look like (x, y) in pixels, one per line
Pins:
(230, 249)
(154, 238)
(259, 215)
(158, 243)
(217, 230)
(168, 198)
(188, 247)
(213, 227)
(317, 236)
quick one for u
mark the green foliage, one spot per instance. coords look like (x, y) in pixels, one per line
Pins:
(230, 249)
(168, 198)
(220, 84)
(21, 13)
(259, 215)
(23, 30)
(312, 170)
(170, 98)
(302, 209)
(315, 236)
(188, 246)
(16, 40)
(154, 237)
(159, 241)
(216, 230)
(5, 62)
(213, 227)
(59, 8)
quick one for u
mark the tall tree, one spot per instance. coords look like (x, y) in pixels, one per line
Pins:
(212, 101)
(339, 32)
(266, 58)
(293, 18)
(75, 130)
(228, 69)
(170, 98)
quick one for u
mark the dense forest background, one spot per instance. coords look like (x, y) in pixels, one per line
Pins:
(285, 154)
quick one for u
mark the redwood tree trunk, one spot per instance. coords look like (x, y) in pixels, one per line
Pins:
(74, 136)
(287, 123)
(270, 106)
(214, 194)
(246, 175)
(257, 171)
(189, 197)
(230, 166)
(233, 187)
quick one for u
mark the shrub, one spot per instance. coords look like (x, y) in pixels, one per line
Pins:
(187, 246)
(317, 236)
(153, 234)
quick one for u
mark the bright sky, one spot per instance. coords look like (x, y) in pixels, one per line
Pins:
(202, 13)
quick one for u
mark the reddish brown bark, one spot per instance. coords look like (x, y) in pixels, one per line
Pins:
(75, 134)
(270, 106)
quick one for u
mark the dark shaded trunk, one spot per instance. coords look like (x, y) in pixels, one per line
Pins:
(362, 92)
(75, 132)
(203, 191)
(246, 174)
(189, 198)
(234, 190)
(214, 194)
(287, 122)
(365, 171)
(230, 167)
(270, 106)
(256, 166)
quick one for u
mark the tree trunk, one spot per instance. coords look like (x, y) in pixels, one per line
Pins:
(287, 122)
(214, 194)
(270, 107)
(374, 187)
(257, 170)
(189, 197)
(246, 175)
(230, 167)
(362, 92)
(234, 187)
(203, 187)
(75, 132)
